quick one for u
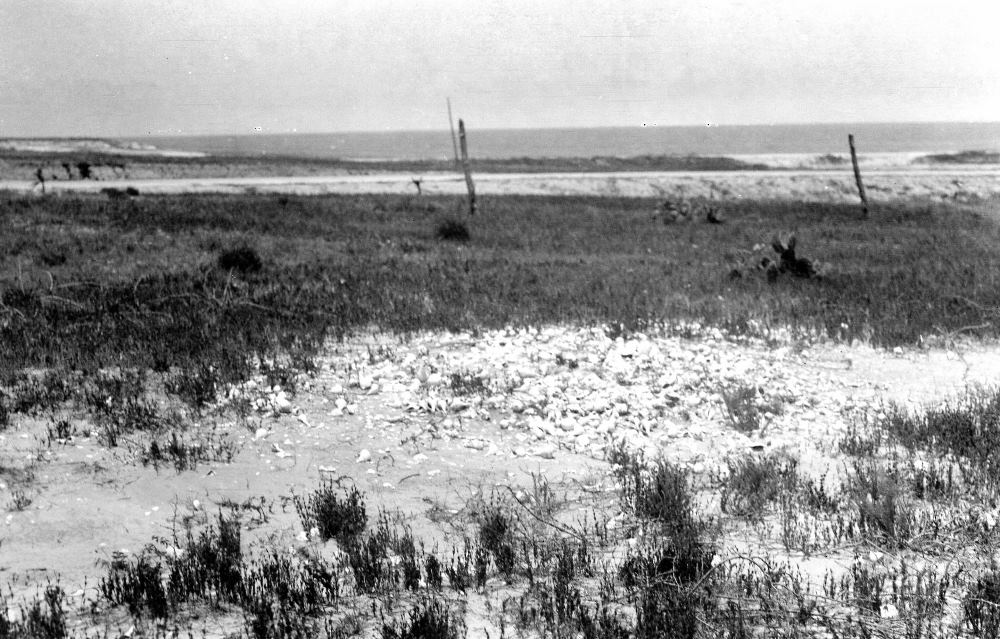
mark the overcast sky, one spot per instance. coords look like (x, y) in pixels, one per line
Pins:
(130, 67)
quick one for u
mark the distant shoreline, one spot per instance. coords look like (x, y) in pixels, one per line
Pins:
(102, 160)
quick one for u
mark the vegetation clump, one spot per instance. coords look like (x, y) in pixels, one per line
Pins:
(452, 230)
(243, 259)
(332, 516)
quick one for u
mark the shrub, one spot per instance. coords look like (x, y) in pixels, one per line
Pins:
(741, 407)
(883, 512)
(343, 519)
(243, 259)
(753, 483)
(430, 619)
(496, 537)
(982, 606)
(453, 231)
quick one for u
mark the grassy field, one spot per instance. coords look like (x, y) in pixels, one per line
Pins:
(207, 290)
(102, 299)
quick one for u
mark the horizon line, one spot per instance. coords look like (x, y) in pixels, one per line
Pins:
(524, 128)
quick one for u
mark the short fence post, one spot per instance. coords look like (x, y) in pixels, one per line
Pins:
(465, 166)
(857, 176)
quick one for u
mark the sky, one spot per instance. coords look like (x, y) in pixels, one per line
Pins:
(163, 67)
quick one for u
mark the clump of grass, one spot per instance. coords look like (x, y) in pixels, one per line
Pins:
(981, 606)
(43, 618)
(19, 500)
(755, 482)
(452, 230)
(333, 516)
(139, 586)
(884, 514)
(371, 559)
(863, 438)
(429, 619)
(660, 492)
(496, 537)
(184, 454)
(243, 259)
(968, 427)
(745, 405)
(465, 383)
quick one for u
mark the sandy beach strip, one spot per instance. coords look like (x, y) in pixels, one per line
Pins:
(964, 183)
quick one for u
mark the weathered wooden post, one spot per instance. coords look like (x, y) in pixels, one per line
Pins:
(857, 176)
(451, 125)
(467, 168)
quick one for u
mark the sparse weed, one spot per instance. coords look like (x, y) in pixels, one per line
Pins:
(184, 454)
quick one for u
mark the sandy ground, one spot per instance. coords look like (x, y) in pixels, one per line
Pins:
(947, 184)
(391, 427)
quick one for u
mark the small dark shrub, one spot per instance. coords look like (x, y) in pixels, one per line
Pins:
(459, 572)
(496, 537)
(469, 384)
(427, 620)
(741, 406)
(243, 259)
(432, 568)
(343, 519)
(139, 586)
(660, 493)
(453, 231)
(982, 606)
(55, 256)
(42, 619)
(197, 387)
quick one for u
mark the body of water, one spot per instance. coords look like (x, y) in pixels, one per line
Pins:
(607, 141)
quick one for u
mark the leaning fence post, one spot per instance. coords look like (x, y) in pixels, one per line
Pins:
(465, 166)
(857, 176)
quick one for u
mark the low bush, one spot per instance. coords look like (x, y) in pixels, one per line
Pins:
(452, 231)
(332, 516)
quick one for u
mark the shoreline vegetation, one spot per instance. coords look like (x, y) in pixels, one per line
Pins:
(98, 160)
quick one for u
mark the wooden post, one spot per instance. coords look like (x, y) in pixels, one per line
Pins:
(451, 124)
(857, 176)
(465, 166)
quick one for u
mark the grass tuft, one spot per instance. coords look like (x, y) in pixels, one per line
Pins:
(243, 259)
(333, 516)
(452, 230)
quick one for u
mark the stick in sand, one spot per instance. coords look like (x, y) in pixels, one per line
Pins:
(857, 176)
(468, 170)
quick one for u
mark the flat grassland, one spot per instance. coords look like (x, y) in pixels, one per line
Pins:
(131, 324)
